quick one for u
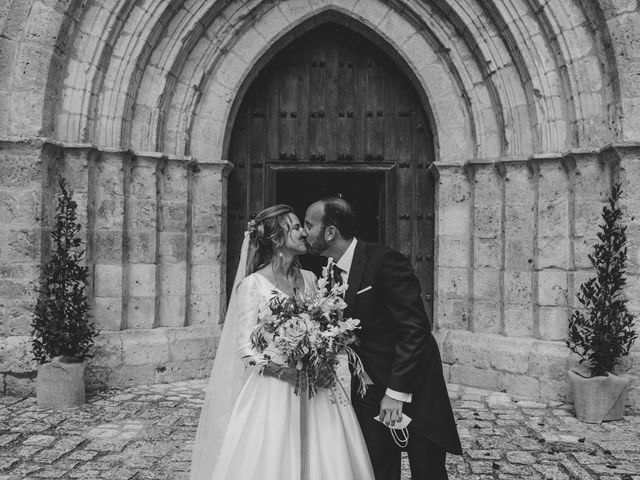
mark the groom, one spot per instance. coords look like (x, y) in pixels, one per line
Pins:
(396, 347)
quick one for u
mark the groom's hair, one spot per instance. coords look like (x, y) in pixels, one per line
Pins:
(341, 214)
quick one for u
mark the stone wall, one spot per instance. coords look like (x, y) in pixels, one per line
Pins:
(152, 228)
(535, 108)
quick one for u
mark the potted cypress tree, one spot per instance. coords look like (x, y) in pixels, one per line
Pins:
(62, 331)
(603, 331)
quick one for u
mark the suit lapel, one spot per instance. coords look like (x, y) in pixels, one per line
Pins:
(355, 276)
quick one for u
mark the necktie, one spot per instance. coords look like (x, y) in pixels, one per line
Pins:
(336, 277)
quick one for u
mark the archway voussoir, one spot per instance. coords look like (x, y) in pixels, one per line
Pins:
(373, 13)
(272, 26)
(206, 139)
(294, 10)
(252, 43)
(396, 28)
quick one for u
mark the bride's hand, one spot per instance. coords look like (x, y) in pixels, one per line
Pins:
(325, 378)
(288, 374)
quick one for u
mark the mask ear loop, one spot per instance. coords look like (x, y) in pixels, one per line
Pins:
(401, 437)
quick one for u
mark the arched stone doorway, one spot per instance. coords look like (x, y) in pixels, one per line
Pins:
(333, 113)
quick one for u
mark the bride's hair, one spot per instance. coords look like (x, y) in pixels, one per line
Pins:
(267, 235)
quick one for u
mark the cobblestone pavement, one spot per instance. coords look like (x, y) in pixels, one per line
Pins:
(146, 433)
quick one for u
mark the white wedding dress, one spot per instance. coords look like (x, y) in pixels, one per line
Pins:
(271, 434)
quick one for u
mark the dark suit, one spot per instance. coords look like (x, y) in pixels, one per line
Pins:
(399, 352)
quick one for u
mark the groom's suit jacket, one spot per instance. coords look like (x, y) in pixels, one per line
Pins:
(396, 346)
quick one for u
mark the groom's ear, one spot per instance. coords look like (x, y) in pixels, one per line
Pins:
(330, 233)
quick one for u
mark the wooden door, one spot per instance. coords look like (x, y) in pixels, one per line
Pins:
(330, 100)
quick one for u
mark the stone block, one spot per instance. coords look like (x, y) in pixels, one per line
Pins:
(508, 354)
(172, 247)
(145, 347)
(553, 181)
(206, 219)
(487, 221)
(171, 311)
(453, 220)
(518, 254)
(133, 375)
(107, 247)
(582, 248)
(590, 181)
(487, 186)
(16, 317)
(518, 320)
(22, 245)
(453, 251)
(588, 216)
(463, 348)
(142, 214)
(518, 220)
(141, 247)
(140, 312)
(487, 252)
(476, 377)
(453, 282)
(204, 310)
(452, 313)
(173, 278)
(521, 385)
(553, 219)
(486, 317)
(553, 252)
(107, 281)
(20, 386)
(454, 188)
(177, 371)
(109, 212)
(205, 248)
(205, 279)
(549, 360)
(107, 313)
(552, 288)
(141, 280)
(107, 350)
(191, 343)
(554, 322)
(486, 284)
(16, 355)
(518, 187)
(517, 287)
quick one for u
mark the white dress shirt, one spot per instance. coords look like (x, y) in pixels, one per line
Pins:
(344, 263)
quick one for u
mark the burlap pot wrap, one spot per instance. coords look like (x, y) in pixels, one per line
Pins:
(598, 399)
(60, 385)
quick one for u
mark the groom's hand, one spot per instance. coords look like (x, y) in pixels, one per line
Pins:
(390, 411)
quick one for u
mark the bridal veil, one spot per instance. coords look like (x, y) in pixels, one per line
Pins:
(227, 378)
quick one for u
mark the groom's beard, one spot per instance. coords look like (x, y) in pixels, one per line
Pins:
(317, 247)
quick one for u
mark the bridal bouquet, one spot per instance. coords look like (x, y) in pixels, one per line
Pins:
(309, 332)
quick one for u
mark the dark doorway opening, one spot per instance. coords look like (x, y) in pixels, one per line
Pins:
(364, 190)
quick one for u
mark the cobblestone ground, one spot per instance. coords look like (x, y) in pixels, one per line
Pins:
(146, 433)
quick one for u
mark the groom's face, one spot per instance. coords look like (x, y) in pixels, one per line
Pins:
(315, 229)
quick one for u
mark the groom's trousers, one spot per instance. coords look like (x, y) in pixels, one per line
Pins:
(426, 459)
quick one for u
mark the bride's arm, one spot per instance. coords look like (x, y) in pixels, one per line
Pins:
(248, 305)
(249, 300)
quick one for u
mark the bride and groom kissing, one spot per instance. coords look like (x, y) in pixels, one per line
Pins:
(254, 427)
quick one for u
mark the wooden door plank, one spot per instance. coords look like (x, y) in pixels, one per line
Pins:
(374, 110)
(288, 90)
(331, 105)
(405, 170)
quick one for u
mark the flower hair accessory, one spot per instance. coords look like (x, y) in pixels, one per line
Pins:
(252, 227)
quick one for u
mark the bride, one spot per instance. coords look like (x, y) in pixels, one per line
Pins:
(252, 425)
